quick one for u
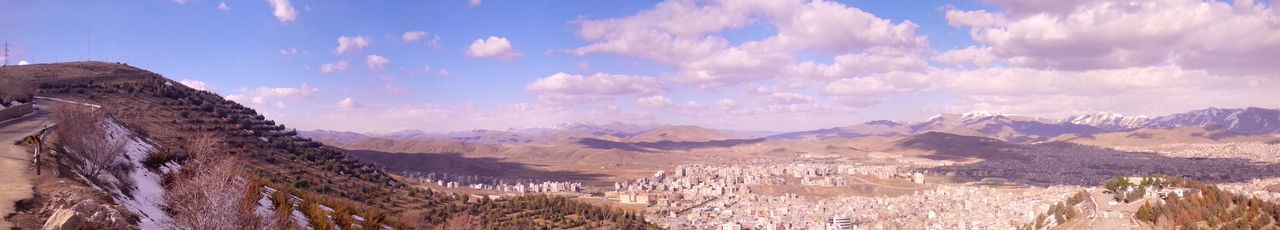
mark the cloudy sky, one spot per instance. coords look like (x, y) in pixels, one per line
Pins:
(775, 65)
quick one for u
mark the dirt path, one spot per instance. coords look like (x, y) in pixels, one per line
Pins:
(15, 161)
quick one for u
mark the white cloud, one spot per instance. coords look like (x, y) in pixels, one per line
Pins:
(863, 86)
(1100, 83)
(271, 97)
(1084, 35)
(726, 104)
(870, 90)
(788, 99)
(461, 116)
(443, 73)
(283, 10)
(223, 6)
(352, 44)
(692, 105)
(376, 63)
(333, 67)
(601, 86)
(654, 101)
(303, 91)
(348, 103)
(198, 85)
(972, 56)
(492, 47)
(685, 35)
(435, 42)
(413, 36)
(23, 62)
(858, 65)
(977, 18)
(289, 52)
(473, 3)
(600, 83)
(180, 2)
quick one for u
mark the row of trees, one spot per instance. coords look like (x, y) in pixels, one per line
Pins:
(243, 128)
(1210, 207)
(212, 191)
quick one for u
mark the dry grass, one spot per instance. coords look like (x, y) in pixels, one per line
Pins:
(212, 192)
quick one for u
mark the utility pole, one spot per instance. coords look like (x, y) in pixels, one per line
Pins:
(6, 53)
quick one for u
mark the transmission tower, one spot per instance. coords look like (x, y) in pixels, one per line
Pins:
(6, 53)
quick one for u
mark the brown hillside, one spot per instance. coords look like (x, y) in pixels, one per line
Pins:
(1156, 136)
(679, 133)
(951, 146)
(169, 114)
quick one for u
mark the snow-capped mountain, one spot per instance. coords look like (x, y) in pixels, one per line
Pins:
(1108, 121)
(1248, 121)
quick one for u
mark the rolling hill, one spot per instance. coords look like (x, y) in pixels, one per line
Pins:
(168, 114)
(680, 133)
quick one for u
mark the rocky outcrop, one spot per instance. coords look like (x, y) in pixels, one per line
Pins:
(67, 212)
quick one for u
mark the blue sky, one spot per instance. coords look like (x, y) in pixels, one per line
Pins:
(771, 65)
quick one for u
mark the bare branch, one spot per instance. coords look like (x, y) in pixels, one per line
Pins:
(83, 133)
(210, 192)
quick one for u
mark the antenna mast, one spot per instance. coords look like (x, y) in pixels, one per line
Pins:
(88, 39)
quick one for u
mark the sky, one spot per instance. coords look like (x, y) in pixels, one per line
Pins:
(762, 65)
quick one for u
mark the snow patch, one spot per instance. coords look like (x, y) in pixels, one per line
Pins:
(147, 200)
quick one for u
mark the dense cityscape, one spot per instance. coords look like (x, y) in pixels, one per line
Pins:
(880, 190)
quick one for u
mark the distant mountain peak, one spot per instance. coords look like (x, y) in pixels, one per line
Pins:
(1250, 121)
(883, 122)
(1108, 121)
(979, 115)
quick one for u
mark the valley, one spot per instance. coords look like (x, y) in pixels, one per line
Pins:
(873, 174)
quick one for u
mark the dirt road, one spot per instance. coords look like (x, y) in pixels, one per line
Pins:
(15, 161)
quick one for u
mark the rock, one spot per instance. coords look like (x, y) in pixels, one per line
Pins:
(66, 212)
(64, 219)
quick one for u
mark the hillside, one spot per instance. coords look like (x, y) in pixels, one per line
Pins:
(679, 133)
(168, 115)
(1157, 136)
(951, 146)
(870, 128)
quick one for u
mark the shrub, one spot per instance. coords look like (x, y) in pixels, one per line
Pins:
(210, 192)
(155, 159)
(83, 134)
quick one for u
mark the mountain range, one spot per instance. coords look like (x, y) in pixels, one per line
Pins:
(1011, 128)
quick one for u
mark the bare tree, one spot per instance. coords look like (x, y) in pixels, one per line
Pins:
(83, 132)
(210, 191)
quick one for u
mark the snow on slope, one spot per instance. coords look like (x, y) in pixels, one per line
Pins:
(1108, 121)
(147, 197)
